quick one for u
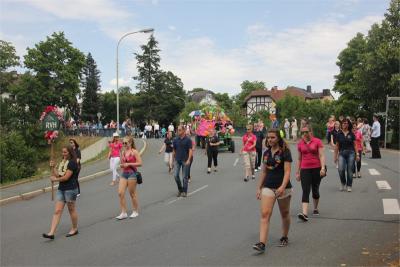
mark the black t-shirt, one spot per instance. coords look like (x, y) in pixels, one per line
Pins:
(71, 183)
(260, 137)
(213, 139)
(334, 134)
(168, 145)
(275, 167)
(346, 142)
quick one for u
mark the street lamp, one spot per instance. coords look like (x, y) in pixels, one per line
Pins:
(129, 33)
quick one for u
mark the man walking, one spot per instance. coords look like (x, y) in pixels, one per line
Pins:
(376, 133)
(182, 155)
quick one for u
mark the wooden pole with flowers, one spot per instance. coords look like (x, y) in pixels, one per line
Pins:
(51, 118)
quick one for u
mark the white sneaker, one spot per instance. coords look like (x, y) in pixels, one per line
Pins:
(342, 187)
(349, 189)
(256, 170)
(253, 177)
(134, 214)
(122, 216)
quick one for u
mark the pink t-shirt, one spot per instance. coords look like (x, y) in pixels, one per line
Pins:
(358, 135)
(248, 141)
(309, 153)
(115, 149)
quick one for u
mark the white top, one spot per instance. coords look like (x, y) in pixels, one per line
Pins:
(170, 128)
(156, 127)
(376, 129)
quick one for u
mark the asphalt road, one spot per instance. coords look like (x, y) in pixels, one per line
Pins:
(216, 225)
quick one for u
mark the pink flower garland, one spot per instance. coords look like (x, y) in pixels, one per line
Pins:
(50, 136)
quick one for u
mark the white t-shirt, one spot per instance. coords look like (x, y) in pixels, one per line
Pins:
(376, 129)
(156, 127)
(170, 128)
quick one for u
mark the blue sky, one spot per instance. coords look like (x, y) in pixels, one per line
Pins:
(210, 44)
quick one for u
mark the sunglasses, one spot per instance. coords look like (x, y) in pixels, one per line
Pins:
(125, 143)
(248, 129)
(304, 132)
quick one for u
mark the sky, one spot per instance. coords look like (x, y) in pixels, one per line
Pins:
(212, 44)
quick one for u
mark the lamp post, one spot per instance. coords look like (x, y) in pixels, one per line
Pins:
(125, 35)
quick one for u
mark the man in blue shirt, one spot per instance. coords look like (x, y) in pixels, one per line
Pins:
(182, 154)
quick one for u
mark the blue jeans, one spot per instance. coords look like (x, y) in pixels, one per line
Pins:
(346, 163)
(185, 172)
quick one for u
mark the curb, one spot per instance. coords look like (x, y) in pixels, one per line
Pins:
(32, 194)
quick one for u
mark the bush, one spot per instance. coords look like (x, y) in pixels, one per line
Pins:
(17, 159)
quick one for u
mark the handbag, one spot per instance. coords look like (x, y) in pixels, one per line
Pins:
(139, 178)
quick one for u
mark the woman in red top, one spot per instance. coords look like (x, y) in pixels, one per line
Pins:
(249, 152)
(360, 148)
(310, 169)
(114, 157)
(130, 161)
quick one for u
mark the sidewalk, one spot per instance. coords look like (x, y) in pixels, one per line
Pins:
(30, 189)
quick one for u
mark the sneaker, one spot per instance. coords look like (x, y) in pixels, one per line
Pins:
(134, 214)
(302, 217)
(315, 213)
(354, 175)
(359, 176)
(215, 170)
(253, 177)
(122, 216)
(256, 169)
(284, 241)
(246, 179)
(183, 194)
(260, 246)
(349, 189)
(189, 180)
(208, 170)
(179, 194)
(342, 187)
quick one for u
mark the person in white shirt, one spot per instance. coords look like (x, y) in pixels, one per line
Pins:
(171, 128)
(375, 134)
(156, 130)
(286, 126)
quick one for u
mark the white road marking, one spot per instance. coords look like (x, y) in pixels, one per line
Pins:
(236, 162)
(364, 163)
(390, 206)
(383, 185)
(189, 194)
(374, 172)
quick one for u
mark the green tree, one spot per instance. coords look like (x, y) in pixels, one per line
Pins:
(91, 84)
(57, 68)
(148, 65)
(8, 59)
(108, 107)
(224, 101)
(247, 88)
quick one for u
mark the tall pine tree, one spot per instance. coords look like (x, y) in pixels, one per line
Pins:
(91, 84)
(148, 65)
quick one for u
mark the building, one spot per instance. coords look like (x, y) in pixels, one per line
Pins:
(266, 99)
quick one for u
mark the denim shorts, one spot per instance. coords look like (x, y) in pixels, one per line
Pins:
(67, 195)
(129, 175)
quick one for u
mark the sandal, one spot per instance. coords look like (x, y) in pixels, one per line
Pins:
(284, 241)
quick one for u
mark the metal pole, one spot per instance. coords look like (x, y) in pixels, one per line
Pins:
(129, 33)
(386, 117)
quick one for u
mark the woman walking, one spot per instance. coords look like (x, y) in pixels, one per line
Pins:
(77, 150)
(67, 176)
(189, 135)
(130, 161)
(366, 133)
(345, 152)
(249, 152)
(334, 134)
(114, 155)
(259, 145)
(274, 185)
(310, 169)
(360, 148)
(212, 144)
(168, 149)
(294, 129)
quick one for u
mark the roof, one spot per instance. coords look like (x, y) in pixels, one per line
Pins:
(198, 96)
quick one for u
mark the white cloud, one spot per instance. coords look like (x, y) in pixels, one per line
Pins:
(172, 28)
(97, 10)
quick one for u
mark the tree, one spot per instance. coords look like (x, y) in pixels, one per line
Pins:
(148, 65)
(108, 108)
(224, 101)
(57, 67)
(247, 88)
(91, 84)
(8, 57)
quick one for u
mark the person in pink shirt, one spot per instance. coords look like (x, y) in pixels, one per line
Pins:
(310, 169)
(249, 152)
(360, 148)
(114, 155)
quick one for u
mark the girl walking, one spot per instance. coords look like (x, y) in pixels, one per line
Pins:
(168, 149)
(274, 185)
(130, 161)
(249, 152)
(345, 152)
(359, 150)
(310, 169)
(67, 175)
(212, 145)
(114, 157)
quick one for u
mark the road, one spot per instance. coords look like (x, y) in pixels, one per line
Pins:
(216, 225)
